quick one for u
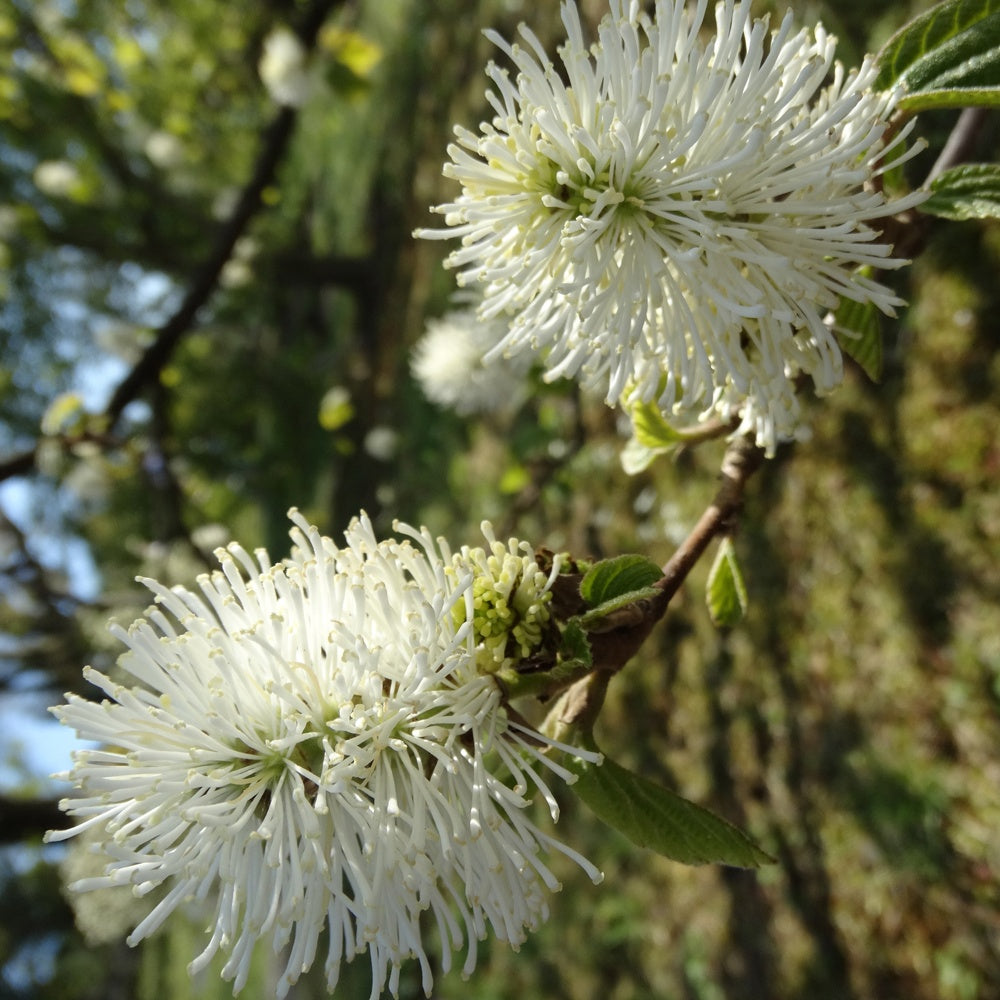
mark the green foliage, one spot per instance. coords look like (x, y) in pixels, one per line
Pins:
(858, 328)
(651, 429)
(850, 720)
(657, 818)
(618, 577)
(574, 645)
(725, 591)
(946, 58)
(971, 191)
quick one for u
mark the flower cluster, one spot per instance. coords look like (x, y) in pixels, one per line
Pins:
(671, 219)
(311, 743)
(448, 363)
(510, 598)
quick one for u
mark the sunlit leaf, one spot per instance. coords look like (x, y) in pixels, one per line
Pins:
(858, 328)
(636, 457)
(335, 409)
(356, 52)
(725, 592)
(651, 428)
(655, 817)
(613, 578)
(971, 191)
(514, 479)
(947, 57)
(64, 415)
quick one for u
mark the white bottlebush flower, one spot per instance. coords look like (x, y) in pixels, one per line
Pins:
(510, 600)
(448, 363)
(283, 69)
(670, 218)
(58, 178)
(305, 744)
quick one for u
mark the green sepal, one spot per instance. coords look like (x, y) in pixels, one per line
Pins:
(622, 575)
(971, 191)
(574, 644)
(858, 329)
(725, 592)
(655, 817)
(945, 58)
(651, 428)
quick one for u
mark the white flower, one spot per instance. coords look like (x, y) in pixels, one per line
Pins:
(510, 597)
(448, 362)
(381, 442)
(670, 218)
(305, 744)
(164, 150)
(282, 68)
(58, 178)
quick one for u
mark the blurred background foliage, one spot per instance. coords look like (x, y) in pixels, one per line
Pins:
(207, 304)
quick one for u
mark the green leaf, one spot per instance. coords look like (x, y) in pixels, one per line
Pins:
(636, 457)
(335, 409)
(934, 100)
(655, 817)
(858, 328)
(651, 428)
(613, 578)
(725, 591)
(971, 191)
(591, 621)
(65, 415)
(574, 644)
(947, 57)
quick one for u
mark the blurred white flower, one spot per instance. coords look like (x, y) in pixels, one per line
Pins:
(381, 442)
(282, 68)
(449, 364)
(104, 916)
(236, 273)
(57, 178)
(208, 537)
(670, 218)
(90, 480)
(311, 744)
(164, 149)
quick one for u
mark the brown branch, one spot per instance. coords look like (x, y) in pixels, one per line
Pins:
(741, 460)
(24, 819)
(20, 464)
(960, 142)
(274, 144)
(612, 649)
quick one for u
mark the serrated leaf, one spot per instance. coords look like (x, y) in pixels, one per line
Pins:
(655, 817)
(591, 621)
(651, 428)
(947, 57)
(858, 328)
(971, 191)
(613, 578)
(725, 592)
